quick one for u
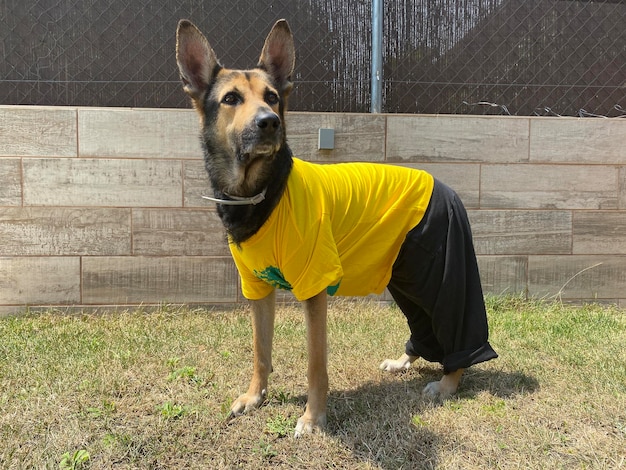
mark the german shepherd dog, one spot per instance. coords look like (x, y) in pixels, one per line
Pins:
(274, 206)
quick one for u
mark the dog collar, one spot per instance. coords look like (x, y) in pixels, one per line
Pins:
(238, 200)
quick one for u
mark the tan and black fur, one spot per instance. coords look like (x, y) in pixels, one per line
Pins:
(245, 151)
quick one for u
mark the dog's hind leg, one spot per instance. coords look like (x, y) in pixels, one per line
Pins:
(399, 365)
(263, 333)
(445, 387)
(314, 417)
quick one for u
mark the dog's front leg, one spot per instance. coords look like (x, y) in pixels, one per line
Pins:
(314, 417)
(262, 335)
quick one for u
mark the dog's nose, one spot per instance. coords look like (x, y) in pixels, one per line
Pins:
(267, 122)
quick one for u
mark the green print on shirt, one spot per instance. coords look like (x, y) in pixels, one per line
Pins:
(273, 277)
(332, 290)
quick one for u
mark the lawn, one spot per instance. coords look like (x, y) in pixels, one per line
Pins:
(151, 390)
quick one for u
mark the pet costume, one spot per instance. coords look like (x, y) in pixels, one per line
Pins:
(354, 229)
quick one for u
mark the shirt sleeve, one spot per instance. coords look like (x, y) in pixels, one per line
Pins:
(252, 287)
(314, 265)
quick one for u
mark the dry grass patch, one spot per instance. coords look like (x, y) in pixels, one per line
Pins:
(143, 390)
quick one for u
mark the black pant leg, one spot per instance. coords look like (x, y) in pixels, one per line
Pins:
(436, 279)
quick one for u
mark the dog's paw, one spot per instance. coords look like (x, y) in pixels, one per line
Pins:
(308, 425)
(395, 366)
(245, 403)
(439, 390)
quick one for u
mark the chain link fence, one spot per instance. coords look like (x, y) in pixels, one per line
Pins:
(507, 57)
(442, 56)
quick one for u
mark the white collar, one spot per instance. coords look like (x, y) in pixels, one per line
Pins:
(238, 200)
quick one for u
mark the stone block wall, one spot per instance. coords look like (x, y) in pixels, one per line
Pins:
(101, 206)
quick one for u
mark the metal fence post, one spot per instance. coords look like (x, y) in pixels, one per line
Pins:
(377, 56)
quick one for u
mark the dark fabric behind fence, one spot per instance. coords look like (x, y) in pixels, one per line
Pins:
(443, 56)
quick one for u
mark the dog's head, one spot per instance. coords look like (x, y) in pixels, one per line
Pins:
(241, 111)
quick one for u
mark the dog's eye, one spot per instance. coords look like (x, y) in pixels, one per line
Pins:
(231, 99)
(271, 98)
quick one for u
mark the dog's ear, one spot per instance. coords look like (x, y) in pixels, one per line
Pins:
(278, 56)
(196, 60)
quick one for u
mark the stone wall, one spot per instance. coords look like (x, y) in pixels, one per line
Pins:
(102, 206)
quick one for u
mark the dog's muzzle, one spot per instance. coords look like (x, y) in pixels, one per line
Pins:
(262, 138)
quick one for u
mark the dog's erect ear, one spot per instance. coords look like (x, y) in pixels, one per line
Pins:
(196, 60)
(279, 56)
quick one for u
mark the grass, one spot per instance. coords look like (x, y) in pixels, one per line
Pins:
(151, 390)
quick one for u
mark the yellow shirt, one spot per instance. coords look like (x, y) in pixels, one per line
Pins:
(337, 227)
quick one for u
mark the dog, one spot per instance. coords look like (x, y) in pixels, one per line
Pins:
(319, 230)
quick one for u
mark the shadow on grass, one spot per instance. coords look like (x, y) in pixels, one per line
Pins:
(497, 382)
(382, 422)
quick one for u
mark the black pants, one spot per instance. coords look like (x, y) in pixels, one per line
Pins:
(436, 283)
